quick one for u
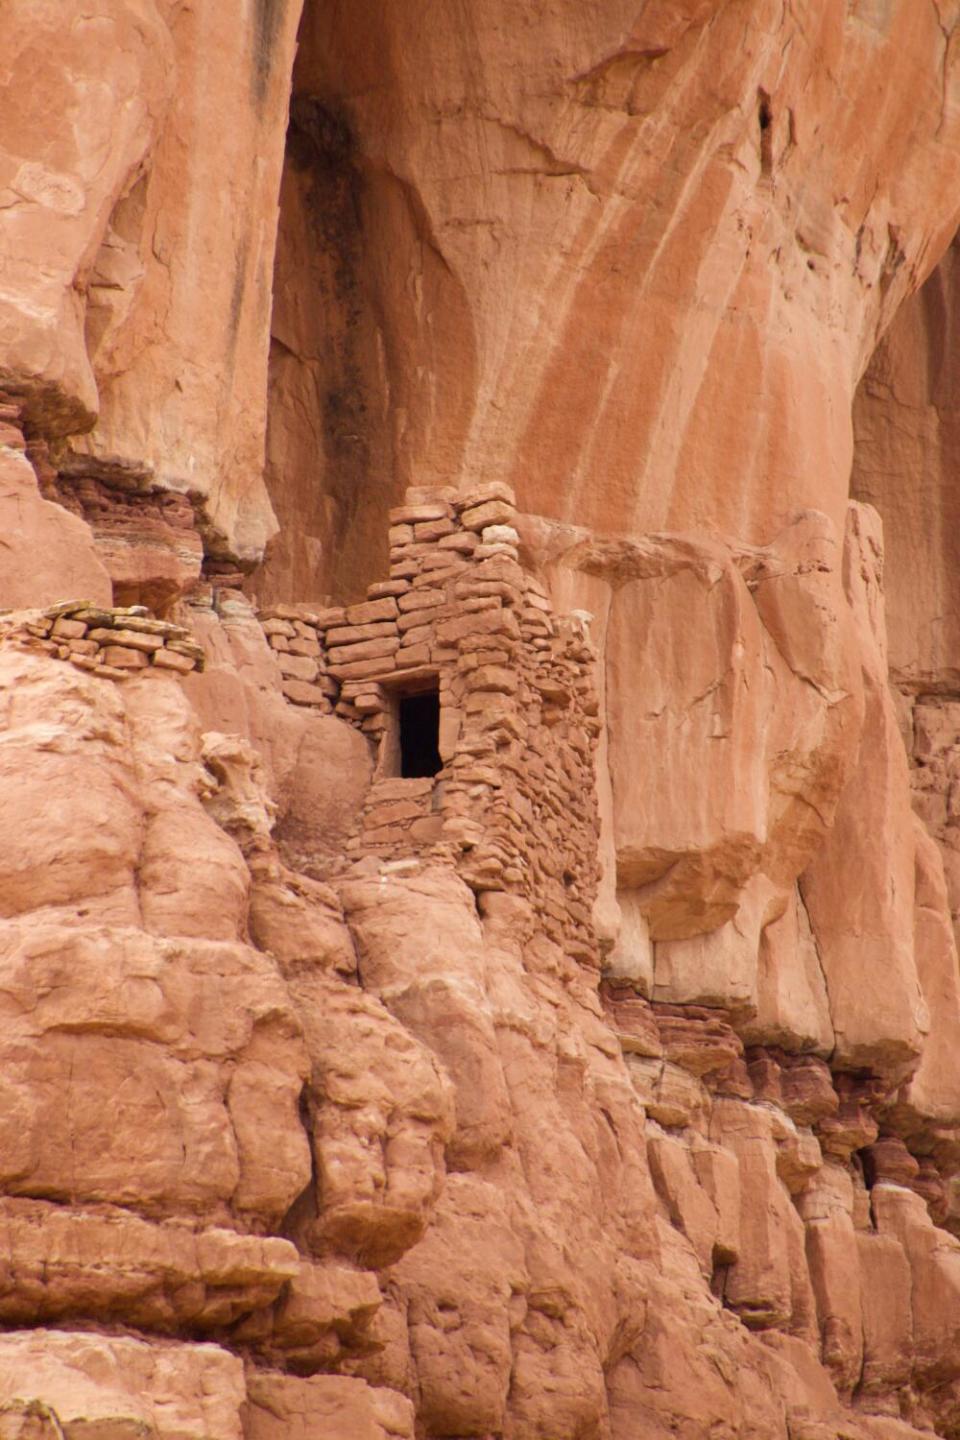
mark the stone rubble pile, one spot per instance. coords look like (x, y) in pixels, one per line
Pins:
(112, 642)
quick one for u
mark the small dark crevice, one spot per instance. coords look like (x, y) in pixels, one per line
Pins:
(765, 120)
(867, 1166)
(237, 295)
(720, 1274)
(305, 1208)
(318, 137)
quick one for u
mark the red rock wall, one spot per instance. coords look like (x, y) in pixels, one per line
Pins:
(604, 1085)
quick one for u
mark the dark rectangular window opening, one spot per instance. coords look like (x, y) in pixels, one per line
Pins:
(420, 734)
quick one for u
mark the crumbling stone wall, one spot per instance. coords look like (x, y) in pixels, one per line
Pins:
(111, 642)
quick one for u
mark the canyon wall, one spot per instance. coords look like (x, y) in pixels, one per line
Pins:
(479, 720)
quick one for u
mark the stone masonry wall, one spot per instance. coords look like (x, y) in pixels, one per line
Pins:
(513, 807)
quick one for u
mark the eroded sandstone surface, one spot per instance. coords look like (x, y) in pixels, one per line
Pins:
(479, 720)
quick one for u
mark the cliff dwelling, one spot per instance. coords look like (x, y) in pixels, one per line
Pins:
(479, 721)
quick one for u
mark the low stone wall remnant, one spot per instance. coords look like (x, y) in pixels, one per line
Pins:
(111, 642)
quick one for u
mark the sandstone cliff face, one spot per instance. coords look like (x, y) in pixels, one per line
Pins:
(479, 721)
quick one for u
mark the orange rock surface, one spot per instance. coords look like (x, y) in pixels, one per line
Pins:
(479, 720)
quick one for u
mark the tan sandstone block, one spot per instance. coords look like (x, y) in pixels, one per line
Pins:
(491, 512)
(428, 530)
(418, 514)
(130, 639)
(363, 669)
(169, 660)
(297, 667)
(351, 634)
(69, 629)
(122, 658)
(301, 692)
(363, 650)
(304, 645)
(477, 624)
(385, 609)
(424, 599)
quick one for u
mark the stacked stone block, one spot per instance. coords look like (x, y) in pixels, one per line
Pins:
(110, 642)
(295, 634)
(513, 807)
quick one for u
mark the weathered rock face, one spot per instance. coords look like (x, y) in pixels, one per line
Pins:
(479, 874)
(623, 249)
(905, 420)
